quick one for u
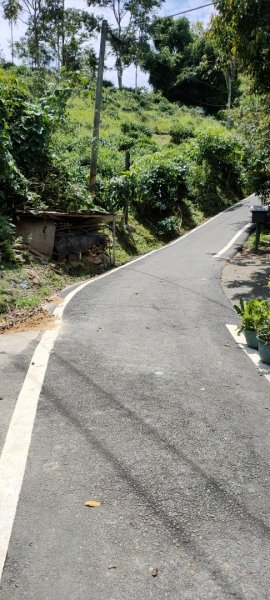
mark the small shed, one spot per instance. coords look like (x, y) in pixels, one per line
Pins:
(68, 236)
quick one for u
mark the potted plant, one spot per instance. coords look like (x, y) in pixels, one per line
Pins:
(248, 311)
(263, 331)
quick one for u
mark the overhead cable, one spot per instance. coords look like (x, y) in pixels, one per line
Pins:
(189, 10)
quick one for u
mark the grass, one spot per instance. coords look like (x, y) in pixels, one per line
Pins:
(123, 106)
(264, 245)
(18, 290)
(139, 239)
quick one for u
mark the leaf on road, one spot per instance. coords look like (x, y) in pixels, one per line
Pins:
(112, 567)
(154, 573)
(92, 503)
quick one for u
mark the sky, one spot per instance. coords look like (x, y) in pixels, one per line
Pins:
(168, 8)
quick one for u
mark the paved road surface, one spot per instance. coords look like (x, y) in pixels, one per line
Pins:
(149, 407)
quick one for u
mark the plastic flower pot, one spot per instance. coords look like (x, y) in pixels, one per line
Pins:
(251, 338)
(264, 350)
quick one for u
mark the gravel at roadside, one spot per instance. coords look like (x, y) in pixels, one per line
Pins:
(246, 276)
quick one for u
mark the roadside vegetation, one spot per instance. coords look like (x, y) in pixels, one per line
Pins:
(168, 159)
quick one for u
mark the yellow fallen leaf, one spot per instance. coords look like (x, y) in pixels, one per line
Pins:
(92, 503)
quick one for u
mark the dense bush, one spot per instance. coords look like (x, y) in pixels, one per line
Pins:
(30, 173)
(220, 175)
(116, 193)
(135, 131)
(160, 185)
(169, 227)
(7, 239)
(252, 119)
(180, 132)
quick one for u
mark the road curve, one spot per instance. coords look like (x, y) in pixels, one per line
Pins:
(149, 407)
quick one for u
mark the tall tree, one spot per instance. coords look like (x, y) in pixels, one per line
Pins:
(129, 18)
(250, 22)
(11, 10)
(29, 12)
(55, 35)
(65, 32)
(222, 37)
(183, 65)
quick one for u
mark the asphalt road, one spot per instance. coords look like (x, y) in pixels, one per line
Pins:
(149, 407)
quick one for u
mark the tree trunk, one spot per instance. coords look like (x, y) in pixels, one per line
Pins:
(63, 34)
(229, 103)
(126, 206)
(119, 69)
(228, 79)
(12, 41)
(136, 76)
(36, 34)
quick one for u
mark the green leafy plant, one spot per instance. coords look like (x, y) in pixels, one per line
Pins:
(180, 132)
(249, 312)
(135, 131)
(7, 239)
(160, 185)
(169, 227)
(262, 321)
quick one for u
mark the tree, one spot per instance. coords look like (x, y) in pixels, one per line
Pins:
(65, 32)
(54, 34)
(249, 20)
(183, 65)
(223, 40)
(11, 9)
(130, 19)
(31, 11)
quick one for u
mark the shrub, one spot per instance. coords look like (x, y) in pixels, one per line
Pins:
(169, 227)
(7, 239)
(110, 162)
(160, 185)
(224, 155)
(135, 131)
(114, 194)
(180, 132)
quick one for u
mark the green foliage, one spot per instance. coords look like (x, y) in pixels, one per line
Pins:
(180, 132)
(252, 119)
(7, 239)
(135, 131)
(113, 194)
(160, 185)
(255, 316)
(128, 29)
(30, 172)
(169, 228)
(223, 153)
(110, 162)
(249, 311)
(6, 230)
(184, 66)
(262, 321)
(249, 21)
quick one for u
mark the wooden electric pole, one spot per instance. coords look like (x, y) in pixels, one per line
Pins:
(93, 169)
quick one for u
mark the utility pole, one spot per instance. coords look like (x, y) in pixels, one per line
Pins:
(93, 169)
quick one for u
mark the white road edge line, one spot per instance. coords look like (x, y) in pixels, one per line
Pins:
(232, 241)
(252, 354)
(15, 451)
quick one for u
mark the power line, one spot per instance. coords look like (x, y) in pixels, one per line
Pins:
(189, 10)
